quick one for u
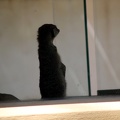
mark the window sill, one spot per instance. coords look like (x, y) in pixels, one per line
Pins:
(69, 108)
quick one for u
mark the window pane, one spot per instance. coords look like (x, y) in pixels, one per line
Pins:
(107, 28)
(69, 16)
(19, 65)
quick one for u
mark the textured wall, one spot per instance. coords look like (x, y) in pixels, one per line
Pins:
(107, 29)
(19, 66)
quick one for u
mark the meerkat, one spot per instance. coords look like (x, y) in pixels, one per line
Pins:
(52, 81)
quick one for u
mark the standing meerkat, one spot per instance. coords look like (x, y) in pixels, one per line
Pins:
(52, 81)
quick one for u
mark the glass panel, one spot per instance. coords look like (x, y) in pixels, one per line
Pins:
(19, 65)
(69, 16)
(107, 28)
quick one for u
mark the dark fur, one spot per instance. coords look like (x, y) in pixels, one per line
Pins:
(7, 97)
(52, 70)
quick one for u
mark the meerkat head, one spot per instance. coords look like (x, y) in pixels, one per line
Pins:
(47, 33)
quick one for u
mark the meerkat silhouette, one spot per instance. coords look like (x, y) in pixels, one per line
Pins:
(52, 81)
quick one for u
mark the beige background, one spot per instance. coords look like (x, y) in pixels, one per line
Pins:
(107, 32)
(19, 66)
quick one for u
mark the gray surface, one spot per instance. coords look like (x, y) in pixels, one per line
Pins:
(67, 100)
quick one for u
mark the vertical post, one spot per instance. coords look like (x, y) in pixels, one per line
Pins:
(87, 48)
(91, 45)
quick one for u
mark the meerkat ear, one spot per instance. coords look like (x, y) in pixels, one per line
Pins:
(55, 31)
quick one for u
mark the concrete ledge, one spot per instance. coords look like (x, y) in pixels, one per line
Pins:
(92, 108)
(67, 100)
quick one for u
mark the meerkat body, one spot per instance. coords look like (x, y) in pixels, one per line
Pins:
(52, 70)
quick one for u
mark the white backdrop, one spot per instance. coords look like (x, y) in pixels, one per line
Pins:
(19, 65)
(107, 31)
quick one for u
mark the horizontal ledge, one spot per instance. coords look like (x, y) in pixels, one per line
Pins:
(59, 109)
(67, 100)
(71, 105)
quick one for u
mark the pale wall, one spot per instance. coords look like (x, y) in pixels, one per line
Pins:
(19, 66)
(107, 29)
